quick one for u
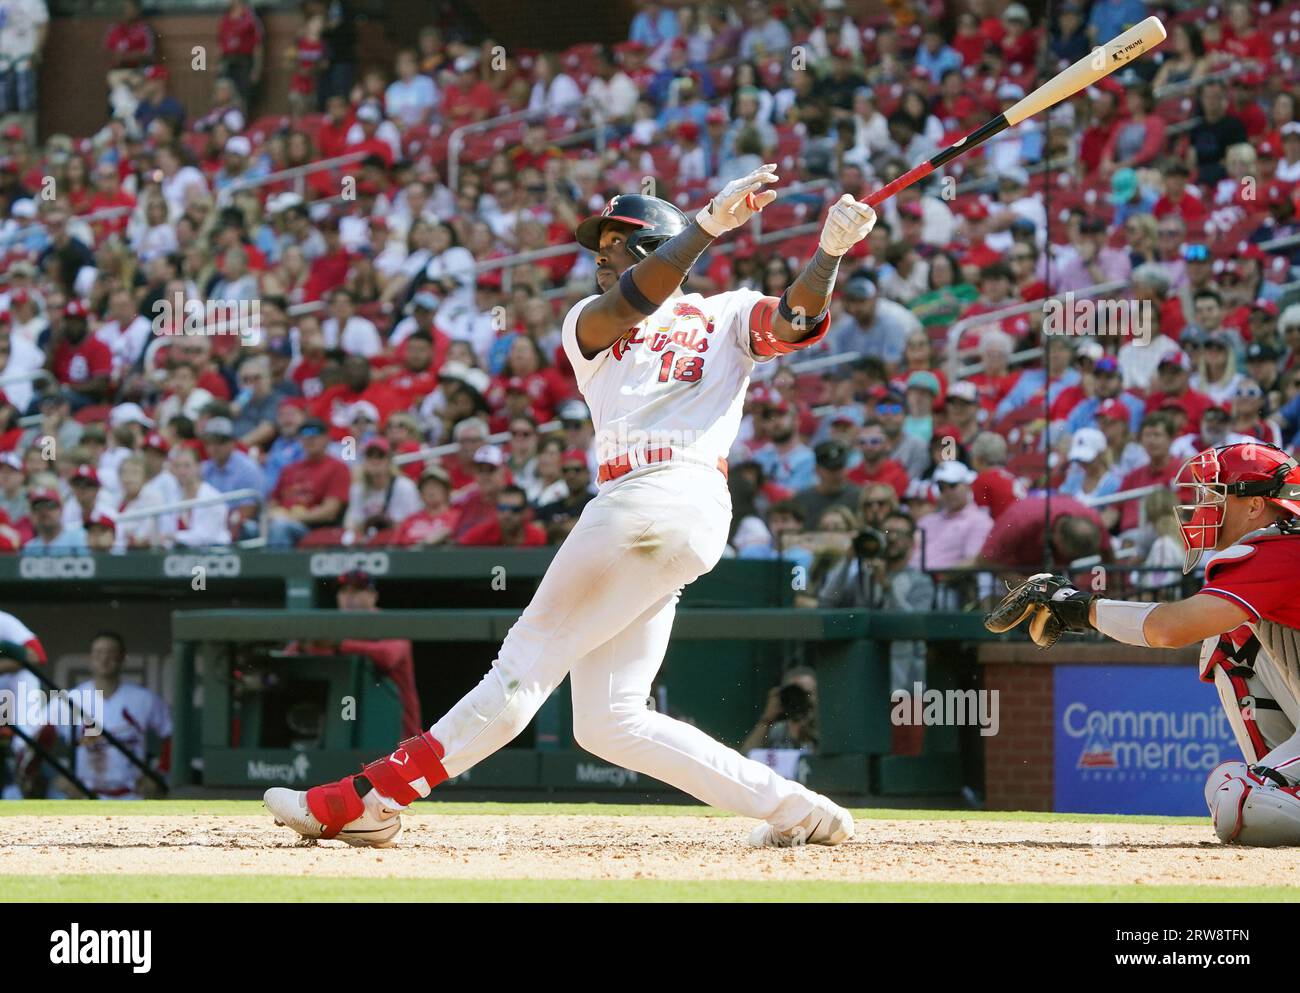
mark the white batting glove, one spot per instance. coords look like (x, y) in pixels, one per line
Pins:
(848, 222)
(738, 202)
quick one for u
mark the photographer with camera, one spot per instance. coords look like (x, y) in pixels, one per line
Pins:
(789, 720)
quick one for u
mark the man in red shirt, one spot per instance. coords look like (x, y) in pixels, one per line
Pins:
(81, 363)
(509, 527)
(309, 494)
(1178, 199)
(995, 488)
(466, 98)
(330, 269)
(130, 41)
(1156, 437)
(240, 37)
(1172, 388)
(370, 117)
(334, 404)
(332, 139)
(478, 503)
(876, 465)
(435, 521)
(1015, 545)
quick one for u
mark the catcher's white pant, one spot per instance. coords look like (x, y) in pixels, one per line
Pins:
(1264, 710)
(603, 613)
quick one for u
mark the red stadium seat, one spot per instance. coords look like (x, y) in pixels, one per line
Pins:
(322, 538)
(94, 414)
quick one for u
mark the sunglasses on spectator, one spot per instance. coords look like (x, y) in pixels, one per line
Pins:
(889, 408)
(523, 434)
(872, 441)
(1022, 257)
(877, 503)
(947, 486)
(510, 508)
(573, 468)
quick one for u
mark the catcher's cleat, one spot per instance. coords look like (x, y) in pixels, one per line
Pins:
(334, 811)
(827, 825)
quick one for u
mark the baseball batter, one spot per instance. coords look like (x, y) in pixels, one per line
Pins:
(664, 373)
(1246, 509)
(18, 641)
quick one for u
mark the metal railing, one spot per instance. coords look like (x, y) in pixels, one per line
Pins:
(296, 173)
(448, 447)
(955, 331)
(456, 139)
(145, 513)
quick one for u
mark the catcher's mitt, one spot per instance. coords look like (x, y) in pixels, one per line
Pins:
(1050, 604)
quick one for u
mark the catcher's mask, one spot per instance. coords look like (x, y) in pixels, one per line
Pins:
(653, 221)
(1245, 469)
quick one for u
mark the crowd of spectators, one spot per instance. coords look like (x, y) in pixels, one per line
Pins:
(179, 321)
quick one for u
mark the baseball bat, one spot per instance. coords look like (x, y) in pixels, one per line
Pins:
(1097, 64)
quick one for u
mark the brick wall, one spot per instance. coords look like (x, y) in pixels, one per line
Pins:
(1018, 759)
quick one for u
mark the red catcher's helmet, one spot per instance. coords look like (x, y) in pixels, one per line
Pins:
(1246, 469)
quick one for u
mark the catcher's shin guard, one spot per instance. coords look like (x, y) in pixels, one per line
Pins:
(1249, 808)
(409, 773)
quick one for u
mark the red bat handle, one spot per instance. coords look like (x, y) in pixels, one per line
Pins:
(901, 183)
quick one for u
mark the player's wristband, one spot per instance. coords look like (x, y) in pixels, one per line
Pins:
(13, 650)
(637, 300)
(1124, 621)
(792, 317)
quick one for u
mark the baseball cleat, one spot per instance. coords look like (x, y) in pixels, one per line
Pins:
(363, 828)
(830, 825)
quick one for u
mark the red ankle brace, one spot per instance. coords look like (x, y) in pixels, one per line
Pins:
(334, 805)
(416, 758)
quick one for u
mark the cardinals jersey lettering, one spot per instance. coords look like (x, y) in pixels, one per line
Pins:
(678, 378)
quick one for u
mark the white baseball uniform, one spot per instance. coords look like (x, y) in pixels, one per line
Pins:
(24, 688)
(130, 715)
(604, 610)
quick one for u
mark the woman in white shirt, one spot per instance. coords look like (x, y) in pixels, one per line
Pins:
(144, 532)
(381, 498)
(554, 92)
(198, 527)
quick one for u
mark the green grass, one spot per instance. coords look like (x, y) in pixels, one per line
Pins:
(253, 808)
(292, 889)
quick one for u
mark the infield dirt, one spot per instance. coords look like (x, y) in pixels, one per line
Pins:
(644, 847)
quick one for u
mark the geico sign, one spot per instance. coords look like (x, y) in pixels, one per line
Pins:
(57, 567)
(183, 566)
(337, 563)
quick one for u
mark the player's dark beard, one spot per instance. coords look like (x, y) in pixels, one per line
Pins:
(782, 435)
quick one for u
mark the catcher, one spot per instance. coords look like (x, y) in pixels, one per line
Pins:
(1245, 509)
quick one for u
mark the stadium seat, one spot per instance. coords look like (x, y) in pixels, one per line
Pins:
(94, 414)
(322, 538)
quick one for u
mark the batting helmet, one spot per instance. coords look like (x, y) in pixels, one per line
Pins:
(654, 221)
(1246, 469)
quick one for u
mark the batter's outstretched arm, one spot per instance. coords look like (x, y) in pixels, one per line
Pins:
(805, 302)
(644, 287)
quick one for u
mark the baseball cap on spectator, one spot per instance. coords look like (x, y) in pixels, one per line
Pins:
(964, 391)
(356, 579)
(378, 444)
(981, 255)
(76, 308)
(157, 72)
(1291, 129)
(716, 115)
(688, 130)
(1261, 352)
(1266, 307)
(435, 472)
(453, 370)
(474, 379)
(1087, 349)
(85, 475)
(1114, 410)
(283, 348)
(11, 460)
(1218, 338)
(974, 209)
(129, 413)
(490, 280)
(239, 145)
(922, 380)
(312, 426)
(1012, 91)
(1123, 186)
(369, 113)
(363, 408)
(24, 208)
(467, 62)
(100, 518)
(157, 442)
(889, 396)
(489, 455)
(44, 495)
(571, 456)
(1268, 149)
(831, 455)
(1106, 365)
(218, 427)
(281, 202)
(1088, 443)
(574, 410)
(859, 288)
(952, 471)
(912, 211)
(1016, 12)
(423, 300)
(1178, 360)
(19, 296)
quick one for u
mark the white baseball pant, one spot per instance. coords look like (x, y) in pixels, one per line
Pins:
(603, 613)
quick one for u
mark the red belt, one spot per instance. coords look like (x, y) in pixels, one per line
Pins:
(621, 466)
